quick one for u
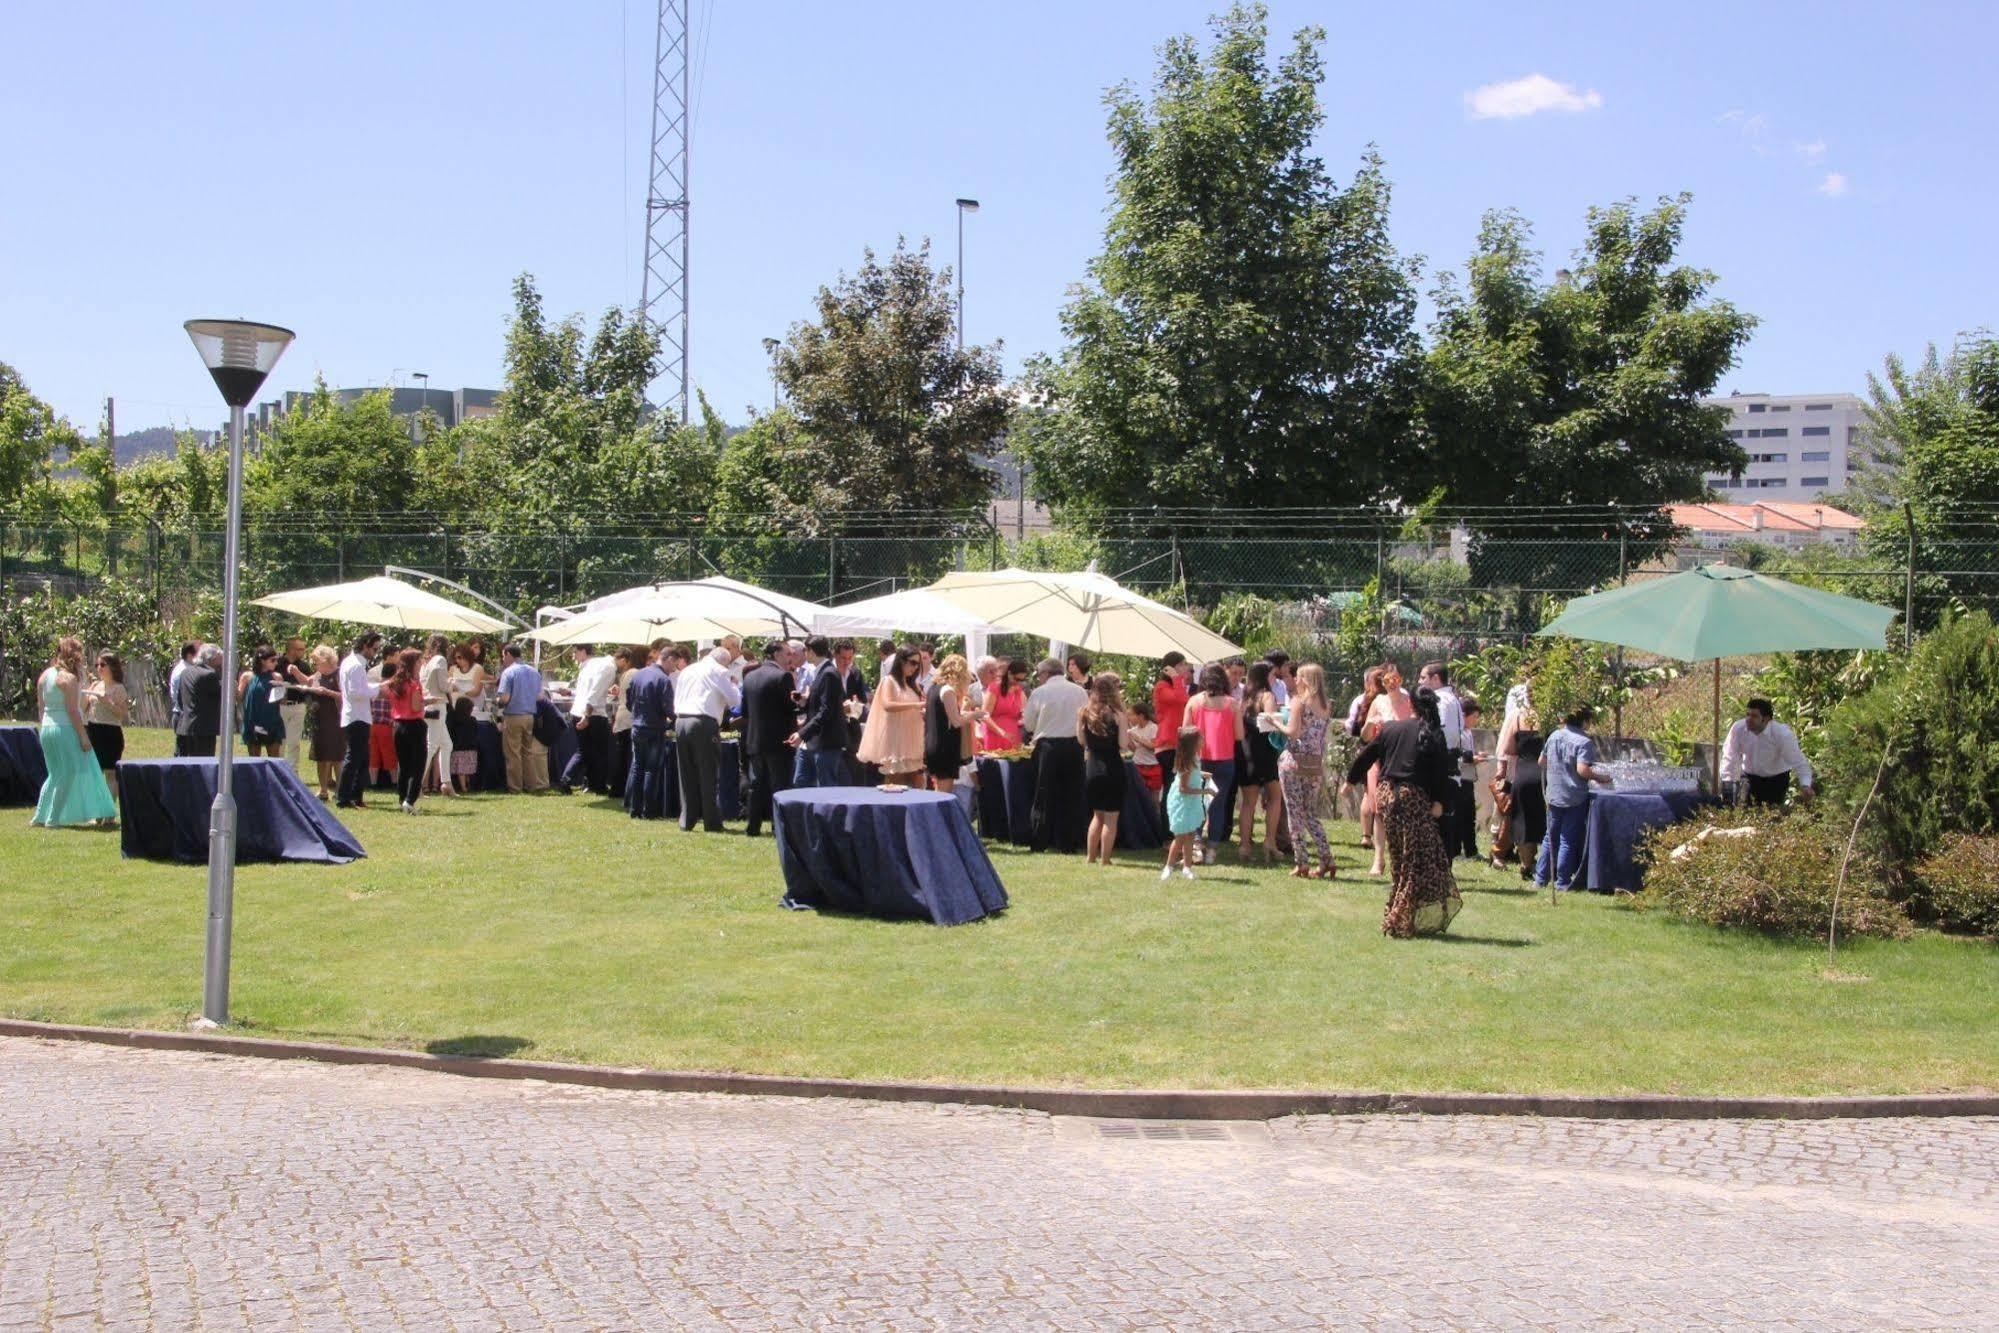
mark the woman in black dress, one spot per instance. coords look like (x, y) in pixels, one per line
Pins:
(1519, 753)
(1256, 781)
(947, 722)
(1100, 726)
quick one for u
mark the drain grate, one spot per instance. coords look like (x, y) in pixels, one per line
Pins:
(1160, 1131)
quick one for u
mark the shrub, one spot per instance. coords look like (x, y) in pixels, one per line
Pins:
(1942, 710)
(1960, 885)
(1778, 879)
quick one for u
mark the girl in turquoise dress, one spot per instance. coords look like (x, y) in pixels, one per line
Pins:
(1188, 793)
(75, 792)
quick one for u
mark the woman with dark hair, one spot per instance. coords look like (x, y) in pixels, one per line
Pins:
(404, 691)
(892, 740)
(1414, 784)
(1169, 703)
(74, 791)
(1217, 717)
(628, 659)
(1001, 729)
(1257, 779)
(1100, 726)
(263, 724)
(107, 711)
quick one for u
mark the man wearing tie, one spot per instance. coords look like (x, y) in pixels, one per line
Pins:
(769, 719)
(822, 736)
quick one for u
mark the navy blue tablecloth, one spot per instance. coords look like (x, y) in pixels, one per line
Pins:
(22, 769)
(728, 784)
(164, 805)
(1617, 820)
(889, 854)
(1006, 805)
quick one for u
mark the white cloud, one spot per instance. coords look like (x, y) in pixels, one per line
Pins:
(1811, 152)
(1834, 185)
(1527, 97)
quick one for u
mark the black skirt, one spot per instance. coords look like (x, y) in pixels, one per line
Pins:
(1261, 758)
(107, 742)
(943, 744)
(1103, 774)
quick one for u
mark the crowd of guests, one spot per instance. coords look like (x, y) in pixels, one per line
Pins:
(1227, 750)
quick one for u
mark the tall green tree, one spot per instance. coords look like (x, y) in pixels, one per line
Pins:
(885, 412)
(328, 457)
(1246, 336)
(34, 437)
(1581, 392)
(1907, 406)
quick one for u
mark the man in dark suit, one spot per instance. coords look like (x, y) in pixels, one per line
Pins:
(769, 718)
(822, 736)
(649, 696)
(198, 705)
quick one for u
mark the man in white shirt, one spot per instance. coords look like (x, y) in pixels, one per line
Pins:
(187, 652)
(1049, 716)
(703, 694)
(357, 698)
(1760, 755)
(591, 705)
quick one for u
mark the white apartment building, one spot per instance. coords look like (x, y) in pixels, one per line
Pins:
(1800, 446)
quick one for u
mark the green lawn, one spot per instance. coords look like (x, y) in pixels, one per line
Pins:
(558, 929)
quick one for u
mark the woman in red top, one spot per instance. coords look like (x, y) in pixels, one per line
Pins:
(1169, 704)
(1001, 729)
(404, 691)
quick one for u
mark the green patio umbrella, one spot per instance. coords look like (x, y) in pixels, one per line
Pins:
(1718, 611)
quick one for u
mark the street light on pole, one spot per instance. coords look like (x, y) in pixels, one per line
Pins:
(770, 354)
(420, 375)
(964, 206)
(239, 356)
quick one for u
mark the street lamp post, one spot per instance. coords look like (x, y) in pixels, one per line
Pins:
(239, 356)
(419, 375)
(964, 206)
(770, 354)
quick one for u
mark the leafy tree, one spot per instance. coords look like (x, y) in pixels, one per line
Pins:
(886, 412)
(1245, 338)
(328, 457)
(1904, 406)
(33, 437)
(1583, 392)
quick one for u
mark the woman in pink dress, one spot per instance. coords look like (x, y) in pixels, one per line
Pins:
(1001, 729)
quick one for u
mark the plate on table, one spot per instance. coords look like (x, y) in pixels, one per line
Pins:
(892, 788)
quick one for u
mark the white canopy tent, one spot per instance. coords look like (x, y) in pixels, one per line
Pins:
(1088, 610)
(698, 609)
(916, 609)
(386, 602)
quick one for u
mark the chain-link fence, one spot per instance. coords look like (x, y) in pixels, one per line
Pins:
(1466, 578)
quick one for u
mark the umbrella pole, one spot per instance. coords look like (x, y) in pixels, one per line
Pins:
(1714, 756)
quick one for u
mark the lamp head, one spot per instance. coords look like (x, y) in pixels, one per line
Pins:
(239, 354)
(771, 345)
(969, 205)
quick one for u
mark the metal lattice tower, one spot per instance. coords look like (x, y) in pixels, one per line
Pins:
(663, 287)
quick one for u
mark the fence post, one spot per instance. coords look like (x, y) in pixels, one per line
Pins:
(1909, 586)
(1381, 574)
(561, 567)
(1617, 713)
(832, 563)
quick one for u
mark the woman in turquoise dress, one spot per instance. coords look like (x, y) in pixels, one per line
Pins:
(75, 792)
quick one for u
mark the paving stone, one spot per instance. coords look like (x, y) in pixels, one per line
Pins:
(185, 1190)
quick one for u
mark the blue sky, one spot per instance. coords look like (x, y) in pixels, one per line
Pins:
(374, 175)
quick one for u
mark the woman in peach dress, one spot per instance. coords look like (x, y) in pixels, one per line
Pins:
(1391, 705)
(892, 739)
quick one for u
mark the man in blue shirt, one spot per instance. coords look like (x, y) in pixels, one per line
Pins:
(519, 694)
(1569, 766)
(649, 696)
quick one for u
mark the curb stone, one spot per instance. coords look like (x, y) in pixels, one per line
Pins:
(1135, 1104)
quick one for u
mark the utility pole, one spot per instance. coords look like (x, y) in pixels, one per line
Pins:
(111, 446)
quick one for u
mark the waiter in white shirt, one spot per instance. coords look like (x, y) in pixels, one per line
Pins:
(1760, 755)
(1455, 823)
(357, 697)
(591, 705)
(703, 694)
(1049, 715)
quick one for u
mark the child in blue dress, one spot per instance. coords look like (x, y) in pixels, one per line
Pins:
(1188, 792)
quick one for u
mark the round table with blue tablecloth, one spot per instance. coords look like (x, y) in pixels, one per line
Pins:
(22, 768)
(164, 812)
(1618, 821)
(1006, 805)
(887, 854)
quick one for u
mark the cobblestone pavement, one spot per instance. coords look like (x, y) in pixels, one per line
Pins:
(187, 1191)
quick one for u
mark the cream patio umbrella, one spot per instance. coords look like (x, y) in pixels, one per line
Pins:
(386, 602)
(1088, 610)
(710, 608)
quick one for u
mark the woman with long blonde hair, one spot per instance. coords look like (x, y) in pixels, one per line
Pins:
(1301, 770)
(948, 719)
(74, 792)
